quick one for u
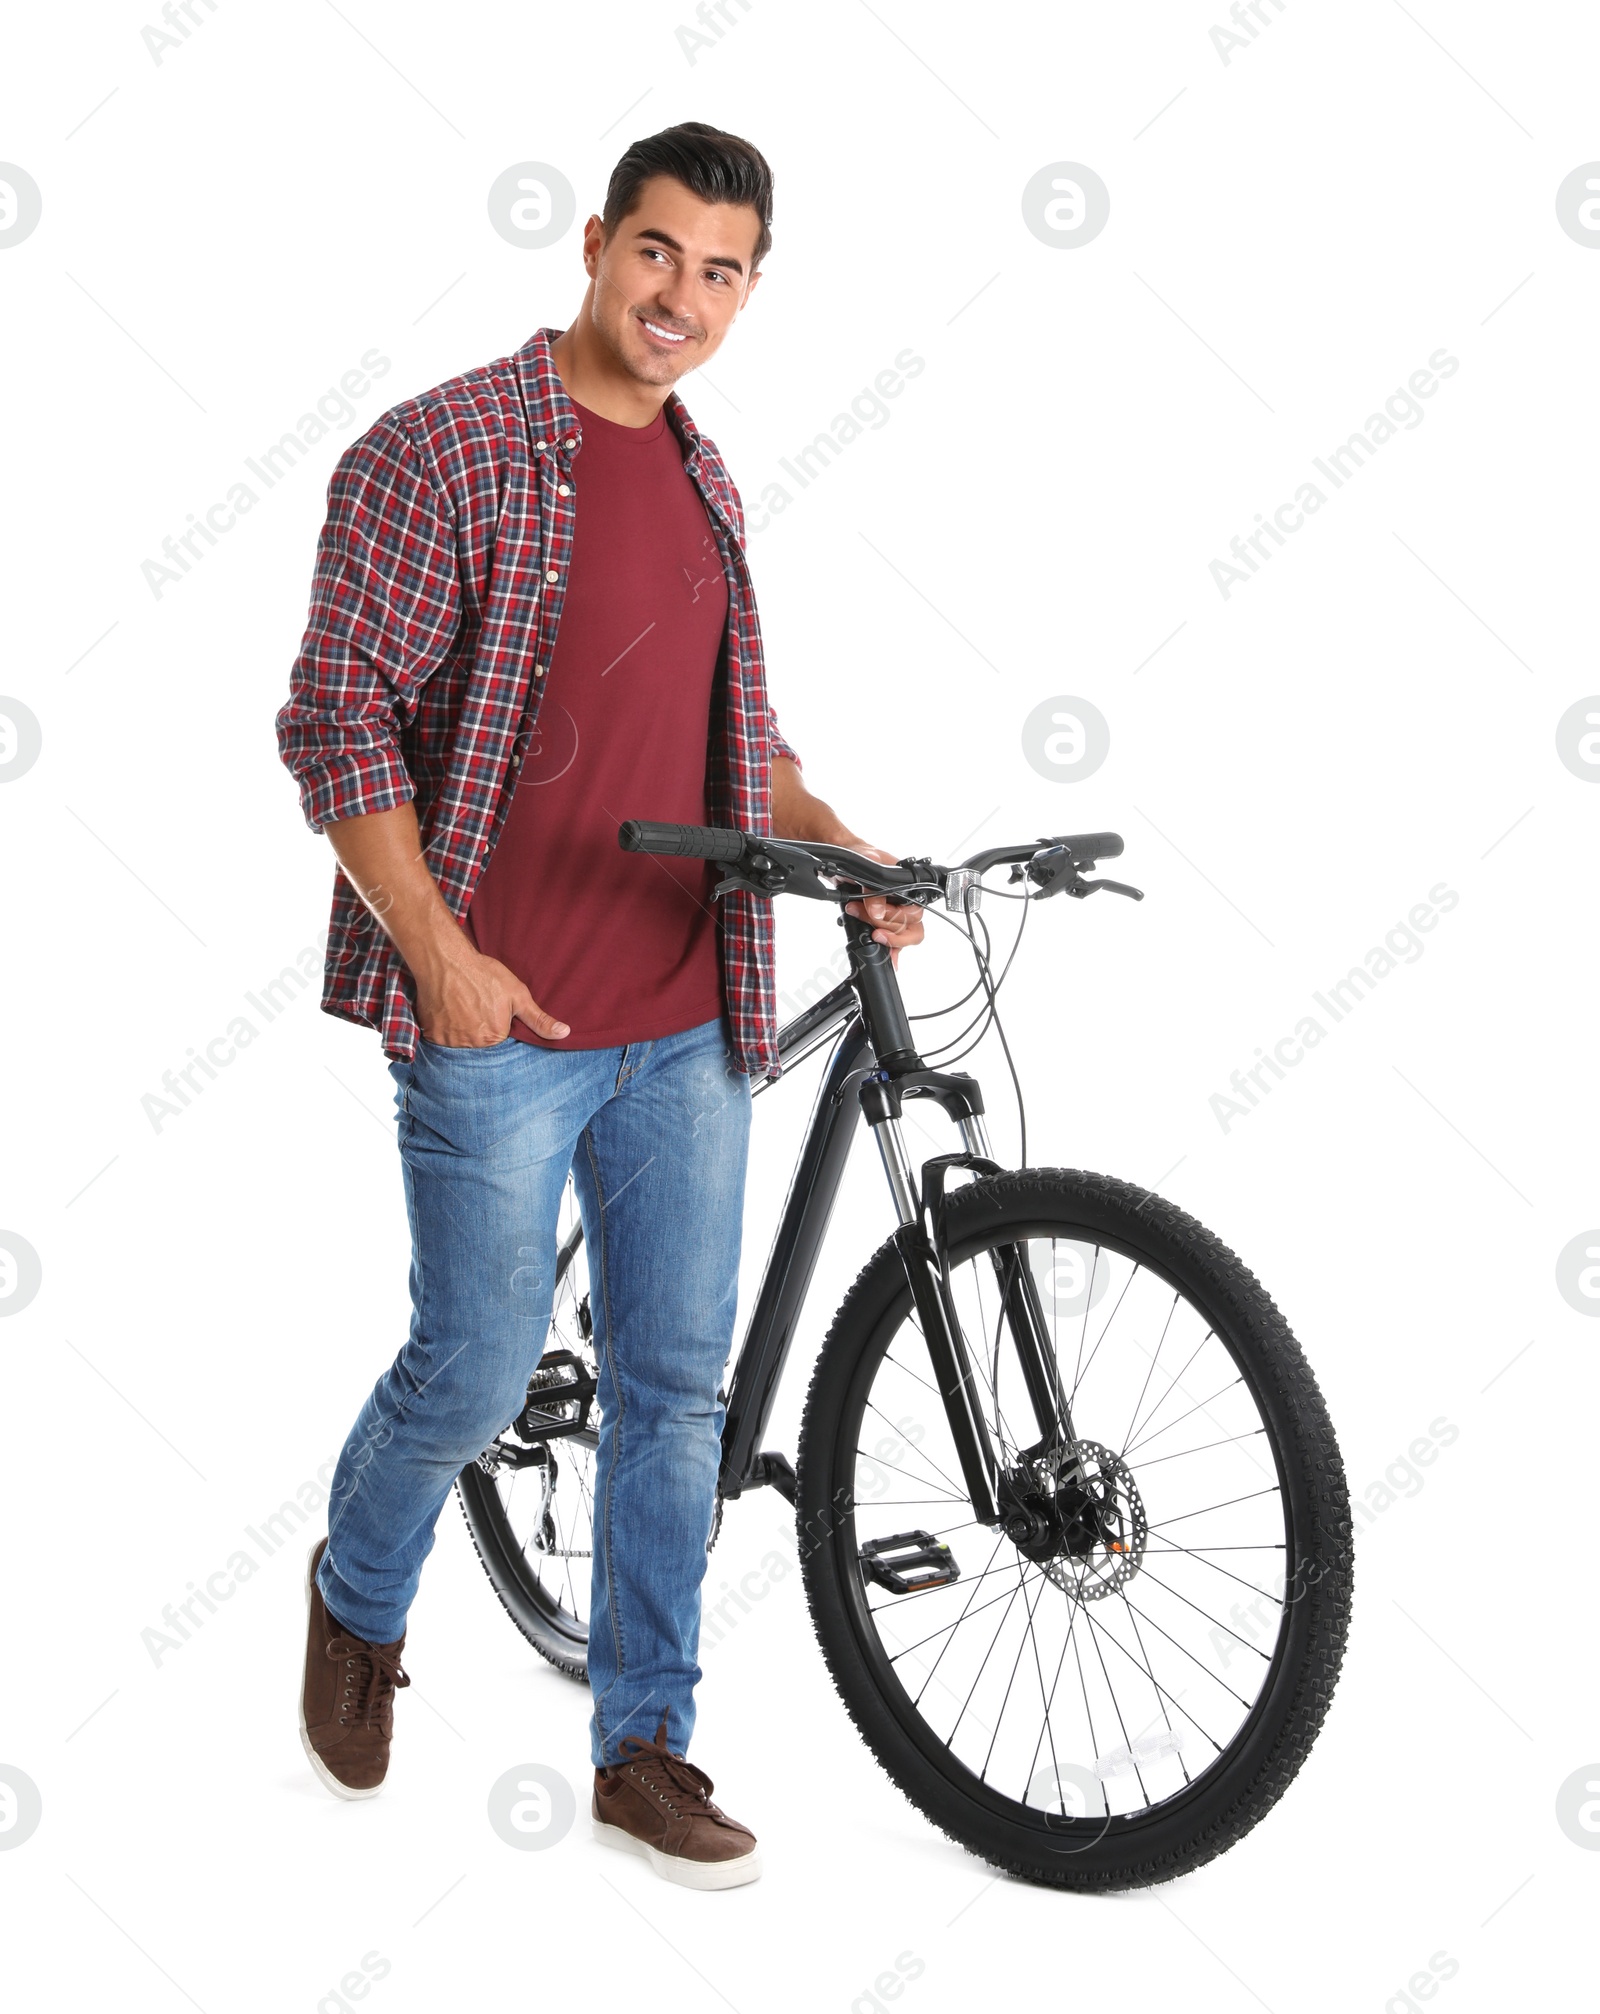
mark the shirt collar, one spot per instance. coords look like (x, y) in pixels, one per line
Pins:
(552, 417)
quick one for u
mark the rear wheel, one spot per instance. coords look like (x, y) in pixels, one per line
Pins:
(1124, 1690)
(529, 1497)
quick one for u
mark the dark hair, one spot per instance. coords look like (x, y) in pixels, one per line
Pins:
(717, 167)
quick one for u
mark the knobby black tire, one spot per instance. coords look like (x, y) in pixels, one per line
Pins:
(1231, 1797)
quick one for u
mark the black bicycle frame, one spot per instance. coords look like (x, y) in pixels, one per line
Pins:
(873, 1067)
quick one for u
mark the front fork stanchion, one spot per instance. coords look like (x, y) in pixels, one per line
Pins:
(927, 1274)
(975, 1136)
(1024, 1312)
(952, 1369)
(897, 1167)
(928, 1279)
(1019, 1291)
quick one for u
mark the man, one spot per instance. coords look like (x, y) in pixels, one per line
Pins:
(493, 677)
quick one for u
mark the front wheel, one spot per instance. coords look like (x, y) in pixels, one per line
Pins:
(1121, 1694)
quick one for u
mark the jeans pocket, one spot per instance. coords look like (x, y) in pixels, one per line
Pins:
(464, 1048)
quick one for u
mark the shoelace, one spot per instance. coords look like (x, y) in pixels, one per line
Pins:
(654, 1759)
(378, 1673)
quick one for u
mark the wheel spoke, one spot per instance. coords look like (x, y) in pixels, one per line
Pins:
(1199, 1406)
(1204, 1447)
(1099, 1628)
(1107, 1329)
(1149, 1673)
(959, 1619)
(1088, 1303)
(1216, 1620)
(1146, 1617)
(1016, 1662)
(1012, 1566)
(1198, 1555)
(879, 1462)
(1022, 1580)
(1047, 1728)
(1212, 1507)
(1117, 1704)
(948, 1481)
(1173, 1384)
(904, 1601)
(1051, 1659)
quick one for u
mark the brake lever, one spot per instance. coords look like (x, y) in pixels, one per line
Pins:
(1055, 872)
(1113, 887)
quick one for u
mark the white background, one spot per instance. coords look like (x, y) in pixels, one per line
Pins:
(1292, 233)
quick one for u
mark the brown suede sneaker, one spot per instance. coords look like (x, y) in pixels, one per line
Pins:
(657, 1804)
(347, 1698)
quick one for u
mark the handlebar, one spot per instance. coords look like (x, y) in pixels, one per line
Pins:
(695, 842)
(769, 866)
(1086, 848)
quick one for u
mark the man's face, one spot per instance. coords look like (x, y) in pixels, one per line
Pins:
(669, 282)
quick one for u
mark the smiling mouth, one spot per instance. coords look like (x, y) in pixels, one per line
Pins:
(664, 335)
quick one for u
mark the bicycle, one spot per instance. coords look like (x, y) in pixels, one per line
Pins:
(1094, 1658)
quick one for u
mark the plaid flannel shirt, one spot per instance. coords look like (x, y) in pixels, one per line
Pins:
(440, 575)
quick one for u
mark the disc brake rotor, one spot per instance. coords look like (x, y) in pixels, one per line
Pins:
(1108, 1519)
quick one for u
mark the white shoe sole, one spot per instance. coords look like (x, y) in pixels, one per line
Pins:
(318, 1765)
(687, 1873)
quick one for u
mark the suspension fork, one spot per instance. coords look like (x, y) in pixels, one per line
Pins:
(1024, 1311)
(952, 1367)
(922, 1242)
(924, 1252)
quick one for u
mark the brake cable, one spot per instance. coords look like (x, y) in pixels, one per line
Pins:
(991, 1015)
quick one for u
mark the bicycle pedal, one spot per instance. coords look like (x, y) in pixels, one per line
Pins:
(909, 1562)
(560, 1394)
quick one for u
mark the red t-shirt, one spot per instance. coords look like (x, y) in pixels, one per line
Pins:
(620, 946)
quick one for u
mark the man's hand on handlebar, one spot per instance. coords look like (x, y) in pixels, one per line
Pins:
(798, 814)
(898, 923)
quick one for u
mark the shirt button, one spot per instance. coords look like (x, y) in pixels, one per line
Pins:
(572, 443)
(539, 447)
(563, 489)
(552, 574)
(539, 670)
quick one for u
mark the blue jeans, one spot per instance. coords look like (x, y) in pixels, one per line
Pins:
(655, 1134)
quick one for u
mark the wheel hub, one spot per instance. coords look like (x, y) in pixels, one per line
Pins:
(1077, 1513)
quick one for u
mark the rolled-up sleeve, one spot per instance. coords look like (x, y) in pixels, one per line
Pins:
(385, 607)
(779, 745)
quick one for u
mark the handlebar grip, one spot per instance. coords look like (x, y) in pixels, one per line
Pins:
(1092, 846)
(696, 842)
